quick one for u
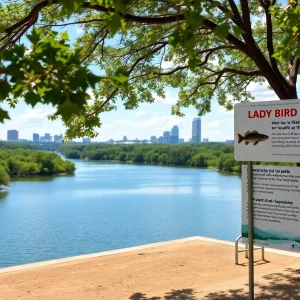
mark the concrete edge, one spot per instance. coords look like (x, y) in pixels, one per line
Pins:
(32, 266)
(92, 255)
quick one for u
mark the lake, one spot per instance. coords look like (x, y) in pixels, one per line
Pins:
(106, 206)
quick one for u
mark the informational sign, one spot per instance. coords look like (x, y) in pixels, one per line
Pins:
(267, 131)
(276, 202)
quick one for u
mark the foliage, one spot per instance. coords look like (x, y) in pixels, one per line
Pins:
(205, 49)
(25, 162)
(215, 155)
(4, 177)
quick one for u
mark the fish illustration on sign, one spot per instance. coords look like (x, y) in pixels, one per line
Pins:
(252, 137)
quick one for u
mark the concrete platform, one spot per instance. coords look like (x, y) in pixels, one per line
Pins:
(192, 268)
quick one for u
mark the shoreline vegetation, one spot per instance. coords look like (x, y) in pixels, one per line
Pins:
(216, 156)
(22, 162)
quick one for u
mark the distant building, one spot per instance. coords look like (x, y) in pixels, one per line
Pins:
(35, 137)
(196, 130)
(229, 141)
(86, 140)
(58, 138)
(160, 140)
(153, 139)
(111, 141)
(12, 135)
(205, 141)
(174, 138)
(181, 141)
(124, 138)
(166, 136)
(46, 138)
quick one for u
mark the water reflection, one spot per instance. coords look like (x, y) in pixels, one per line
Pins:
(3, 195)
(40, 178)
(109, 206)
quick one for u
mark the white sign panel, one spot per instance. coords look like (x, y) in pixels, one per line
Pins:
(276, 202)
(267, 131)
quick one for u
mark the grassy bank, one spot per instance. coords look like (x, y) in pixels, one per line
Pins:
(213, 155)
(25, 162)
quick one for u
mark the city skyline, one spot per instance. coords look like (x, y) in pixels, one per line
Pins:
(196, 130)
(147, 120)
(168, 137)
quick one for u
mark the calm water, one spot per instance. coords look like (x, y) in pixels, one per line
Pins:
(107, 206)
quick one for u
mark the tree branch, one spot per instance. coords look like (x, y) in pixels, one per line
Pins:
(236, 14)
(270, 45)
(293, 71)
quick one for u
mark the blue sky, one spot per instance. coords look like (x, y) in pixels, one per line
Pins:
(147, 120)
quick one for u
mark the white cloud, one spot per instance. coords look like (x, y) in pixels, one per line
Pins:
(261, 92)
(170, 98)
(215, 61)
(140, 113)
(30, 121)
(214, 124)
(33, 116)
(222, 110)
(145, 128)
(79, 30)
(167, 64)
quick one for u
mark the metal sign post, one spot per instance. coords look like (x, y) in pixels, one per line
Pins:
(250, 231)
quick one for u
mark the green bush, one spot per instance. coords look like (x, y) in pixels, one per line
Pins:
(25, 162)
(4, 177)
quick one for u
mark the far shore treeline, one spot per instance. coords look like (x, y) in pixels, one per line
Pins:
(19, 161)
(213, 155)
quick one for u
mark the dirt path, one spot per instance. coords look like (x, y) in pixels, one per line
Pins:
(181, 270)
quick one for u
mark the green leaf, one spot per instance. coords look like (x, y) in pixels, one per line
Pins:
(115, 23)
(67, 109)
(64, 36)
(3, 115)
(222, 30)
(120, 77)
(35, 36)
(237, 30)
(5, 89)
(92, 79)
(32, 98)
(70, 6)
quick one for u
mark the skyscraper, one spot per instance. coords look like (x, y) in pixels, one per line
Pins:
(196, 130)
(160, 140)
(36, 137)
(174, 139)
(46, 138)
(58, 138)
(86, 140)
(153, 139)
(12, 135)
(166, 137)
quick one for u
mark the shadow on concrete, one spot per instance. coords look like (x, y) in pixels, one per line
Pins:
(281, 286)
(184, 294)
(256, 263)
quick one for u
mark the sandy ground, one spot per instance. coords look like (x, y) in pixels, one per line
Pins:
(179, 271)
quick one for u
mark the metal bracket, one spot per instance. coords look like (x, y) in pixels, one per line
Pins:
(246, 250)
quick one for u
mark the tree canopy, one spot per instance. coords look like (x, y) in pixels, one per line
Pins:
(25, 162)
(205, 49)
